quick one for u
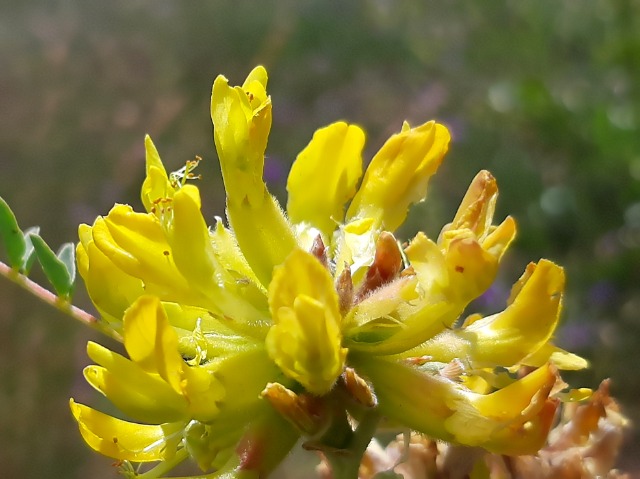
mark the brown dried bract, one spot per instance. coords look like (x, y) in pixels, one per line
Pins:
(584, 445)
(386, 265)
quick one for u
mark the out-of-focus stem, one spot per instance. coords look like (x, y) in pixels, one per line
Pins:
(345, 464)
(165, 466)
(60, 303)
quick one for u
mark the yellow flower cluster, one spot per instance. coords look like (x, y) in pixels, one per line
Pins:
(243, 338)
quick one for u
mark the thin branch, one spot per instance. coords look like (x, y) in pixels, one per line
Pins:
(346, 463)
(61, 304)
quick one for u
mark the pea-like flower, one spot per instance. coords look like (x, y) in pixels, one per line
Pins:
(243, 338)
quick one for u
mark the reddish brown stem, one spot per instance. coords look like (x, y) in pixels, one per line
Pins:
(61, 304)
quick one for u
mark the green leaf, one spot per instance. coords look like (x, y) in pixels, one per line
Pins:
(30, 252)
(67, 254)
(54, 268)
(11, 235)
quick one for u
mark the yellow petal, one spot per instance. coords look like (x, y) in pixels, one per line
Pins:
(196, 259)
(144, 396)
(428, 262)
(203, 391)
(302, 274)
(476, 210)
(151, 342)
(507, 338)
(192, 249)
(441, 300)
(125, 441)
(305, 339)
(242, 120)
(460, 273)
(356, 247)
(525, 326)
(153, 345)
(137, 394)
(156, 185)
(559, 357)
(516, 397)
(519, 415)
(399, 173)
(82, 259)
(136, 243)
(499, 239)
(324, 177)
(470, 269)
(513, 420)
(263, 234)
(111, 290)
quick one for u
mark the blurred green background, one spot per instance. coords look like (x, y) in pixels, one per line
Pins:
(543, 93)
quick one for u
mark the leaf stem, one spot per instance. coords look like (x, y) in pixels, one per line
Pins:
(60, 303)
(346, 463)
(165, 466)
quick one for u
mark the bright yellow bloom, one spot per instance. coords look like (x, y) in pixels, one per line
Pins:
(305, 339)
(243, 338)
(336, 151)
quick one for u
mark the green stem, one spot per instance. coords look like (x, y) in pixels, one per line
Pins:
(346, 463)
(61, 304)
(165, 466)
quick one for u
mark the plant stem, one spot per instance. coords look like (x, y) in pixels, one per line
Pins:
(61, 304)
(346, 463)
(165, 466)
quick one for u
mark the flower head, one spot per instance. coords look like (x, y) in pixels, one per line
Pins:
(242, 338)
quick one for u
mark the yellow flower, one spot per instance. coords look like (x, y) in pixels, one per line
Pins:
(243, 338)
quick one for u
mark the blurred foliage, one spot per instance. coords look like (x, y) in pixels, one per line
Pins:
(544, 93)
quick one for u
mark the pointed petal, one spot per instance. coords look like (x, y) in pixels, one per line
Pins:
(525, 326)
(190, 242)
(111, 290)
(156, 185)
(559, 357)
(125, 441)
(399, 173)
(498, 241)
(136, 243)
(513, 420)
(336, 152)
(153, 345)
(507, 338)
(147, 399)
(242, 120)
(143, 396)
(478, 205)
(520, 415)
(151, 342)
